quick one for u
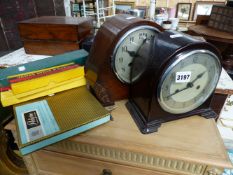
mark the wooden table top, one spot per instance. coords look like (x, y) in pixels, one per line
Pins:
(212, 34)
(194, 139)
(55, 20)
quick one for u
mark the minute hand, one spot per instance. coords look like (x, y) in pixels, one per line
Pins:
(189, 85)
(198, 77)
(135, 54)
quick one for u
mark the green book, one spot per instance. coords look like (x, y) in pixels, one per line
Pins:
(51, 119)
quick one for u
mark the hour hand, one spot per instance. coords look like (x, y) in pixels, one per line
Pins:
(132, 53)
(189, 85)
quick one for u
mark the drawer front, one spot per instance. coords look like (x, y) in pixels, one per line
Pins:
(46, 163)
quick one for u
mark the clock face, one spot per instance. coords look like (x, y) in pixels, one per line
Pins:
(128, 48)
(188, 81)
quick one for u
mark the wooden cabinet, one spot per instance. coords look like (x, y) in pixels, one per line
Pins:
(46, 162)
(188, 146)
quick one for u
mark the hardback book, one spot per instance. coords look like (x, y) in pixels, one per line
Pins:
(78, 57)
(51, 119)
(9, 98)
(35, 86)
(42, 73)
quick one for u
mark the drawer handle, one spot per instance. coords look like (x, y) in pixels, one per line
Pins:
(107, 172)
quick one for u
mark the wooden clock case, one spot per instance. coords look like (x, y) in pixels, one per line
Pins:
(99, 73)
(143, 104)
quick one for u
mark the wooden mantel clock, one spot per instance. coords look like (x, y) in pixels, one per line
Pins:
(178, 76)
(115, 46)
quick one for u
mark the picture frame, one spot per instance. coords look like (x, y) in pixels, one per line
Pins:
(122, 7)
(203, 8)
(183, 11)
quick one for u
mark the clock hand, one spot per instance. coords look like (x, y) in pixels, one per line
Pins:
(135, 54)
(132, 53)
(189, 85)
(198, 76)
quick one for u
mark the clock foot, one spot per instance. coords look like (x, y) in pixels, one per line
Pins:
(138, 118)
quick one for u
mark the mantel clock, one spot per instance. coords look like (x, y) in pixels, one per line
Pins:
(115, 46)
(178, 76)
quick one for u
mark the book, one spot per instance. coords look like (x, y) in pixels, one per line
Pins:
(9, 98)
(78, 57)
(38, 74)
(44, 81)
(42, 86)
(41, 73)
(51, 119)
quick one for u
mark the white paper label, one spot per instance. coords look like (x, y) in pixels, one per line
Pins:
(21, 68)
(183, 77)
(176, 35)
(131, 17)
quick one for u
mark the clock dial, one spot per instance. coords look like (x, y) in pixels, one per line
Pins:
(189, 81)
(128, 48)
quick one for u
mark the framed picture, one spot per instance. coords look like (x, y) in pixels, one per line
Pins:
(203, 8)
(124, 6)
(183, 11)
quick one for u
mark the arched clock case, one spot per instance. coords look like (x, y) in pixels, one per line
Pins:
(178, 80)
(115, 45)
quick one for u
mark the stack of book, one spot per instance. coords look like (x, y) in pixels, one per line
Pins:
(24, 87)
(50, 100)
(42, 77)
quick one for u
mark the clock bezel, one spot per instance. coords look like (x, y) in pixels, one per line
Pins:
(118, 45)
(167, 70)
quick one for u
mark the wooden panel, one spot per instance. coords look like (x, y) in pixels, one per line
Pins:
(186, 146)
(46, 162)
(24, 9)
(45, 7)
(12, 11)
(193, 140)
(3, 42)
(49, 48)
(50, 7)
(55, 28)
(212, 34)
(11, 33)
(59, 8)
(218, 102)
(13, 39)
(48, 32)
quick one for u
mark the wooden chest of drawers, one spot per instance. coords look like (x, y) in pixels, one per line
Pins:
(51, 35)
(187, 146)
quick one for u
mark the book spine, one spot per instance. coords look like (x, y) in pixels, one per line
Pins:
(3, 89)
(42, 73)
(54, 79)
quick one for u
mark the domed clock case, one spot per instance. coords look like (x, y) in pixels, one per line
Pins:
(114, 47)
(178, 79)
